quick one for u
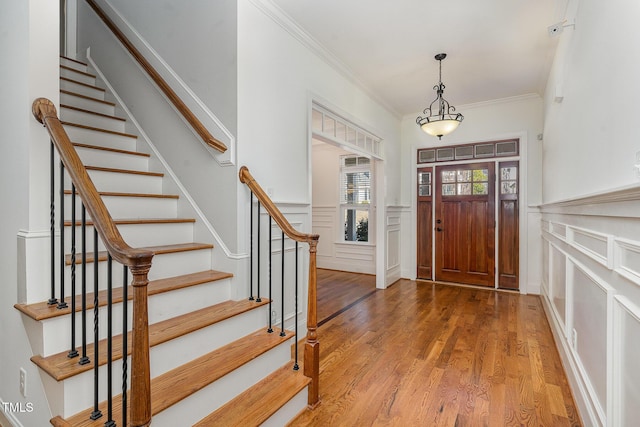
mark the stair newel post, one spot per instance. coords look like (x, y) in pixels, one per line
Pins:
(140, 371)
(312, 346)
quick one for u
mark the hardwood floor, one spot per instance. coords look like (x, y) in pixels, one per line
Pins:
(426, 354)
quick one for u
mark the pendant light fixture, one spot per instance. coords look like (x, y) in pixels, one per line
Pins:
(445, 120)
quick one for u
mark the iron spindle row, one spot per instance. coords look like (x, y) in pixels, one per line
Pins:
(270, 273)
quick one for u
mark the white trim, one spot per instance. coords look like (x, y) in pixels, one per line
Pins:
(160, 158)
(188, 96)
(622, 245)
(10, 416)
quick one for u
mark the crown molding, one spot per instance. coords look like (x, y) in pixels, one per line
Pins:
(280, 17)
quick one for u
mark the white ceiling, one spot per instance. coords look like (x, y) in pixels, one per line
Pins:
(495, 48)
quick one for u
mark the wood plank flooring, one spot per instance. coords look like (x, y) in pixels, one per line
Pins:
(426, 354)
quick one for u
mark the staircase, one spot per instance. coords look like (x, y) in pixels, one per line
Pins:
(212, 361)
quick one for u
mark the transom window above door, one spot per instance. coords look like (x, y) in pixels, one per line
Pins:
(465, 182)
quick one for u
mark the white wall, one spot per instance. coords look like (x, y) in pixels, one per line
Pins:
(333, 252)
(29, 44)
(197, 39)
(590, 215)
(278, 76)
(593, 128)
(520, 117)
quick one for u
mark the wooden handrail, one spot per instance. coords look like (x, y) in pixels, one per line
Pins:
(292, 233)
(195, 123)
(312, 346)
(138, 260)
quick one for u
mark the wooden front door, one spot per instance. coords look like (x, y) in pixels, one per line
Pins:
(465, 224)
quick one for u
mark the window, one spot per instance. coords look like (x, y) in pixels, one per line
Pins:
(465, 182)
(355, 197)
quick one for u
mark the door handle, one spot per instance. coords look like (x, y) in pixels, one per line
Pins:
(438, 229)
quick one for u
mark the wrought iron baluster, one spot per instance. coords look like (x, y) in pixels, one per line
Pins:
(295, 365)
(52, 221)
(96, 411)
(125, 350)
(270, 271)
(282, 333)
(109, 422)
(84, 359)
(62, 304)
(73, 352)
(258, 299)
(251, 298)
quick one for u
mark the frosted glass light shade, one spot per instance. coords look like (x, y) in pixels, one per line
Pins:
(440, 127)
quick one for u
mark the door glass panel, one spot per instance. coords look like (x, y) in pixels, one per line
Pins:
(464, 189)
(464, 176)
(448, 176)
(480, 175)
(448, 189)
(509, 187)
(424, 178)
(480, 188)
(424, 190)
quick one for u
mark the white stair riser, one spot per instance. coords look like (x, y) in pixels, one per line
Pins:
(88, 119)
(137, 235)
(166, 356)
(57, 331)
(130, 207)
(82, 89)
(122, 182)
(110, 159)
(87, 104)
(79, 77)
(101, 139)
(289, 411)
(202, 403)
(73, 64)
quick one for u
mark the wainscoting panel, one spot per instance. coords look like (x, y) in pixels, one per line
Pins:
(591, 294)
(626, 374)
(334, 254)
(393, 250)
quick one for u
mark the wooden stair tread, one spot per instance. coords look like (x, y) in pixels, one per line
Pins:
(129, 221)
(42, 310)
(177, 384)
(118, 194)
(128, 171)
(83, 110)
(74, 60)
(256, 404)
(67, 79)
(157, 250)
(113, 150)
(102, 101)
(60, 367)
(84, 73)
(113, 132)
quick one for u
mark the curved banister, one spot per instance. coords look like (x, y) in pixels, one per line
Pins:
(312, 346)
(292, 233)
(138, 260)
(195, 123)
